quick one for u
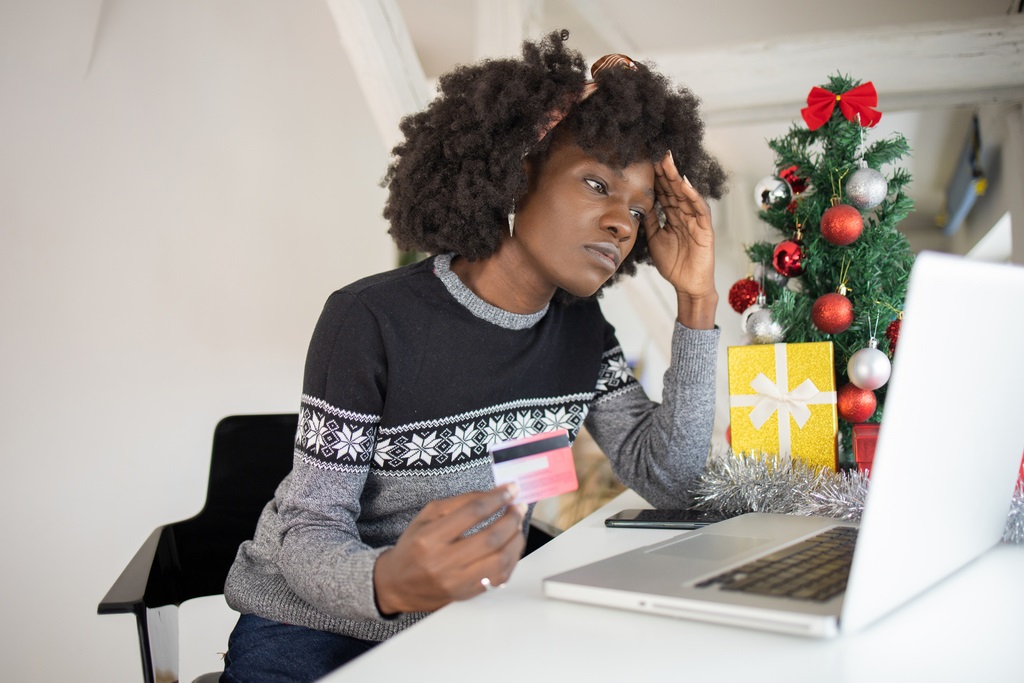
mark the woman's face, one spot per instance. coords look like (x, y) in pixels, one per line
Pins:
(580, 217)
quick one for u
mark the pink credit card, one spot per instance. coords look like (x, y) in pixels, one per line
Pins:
(541, 464)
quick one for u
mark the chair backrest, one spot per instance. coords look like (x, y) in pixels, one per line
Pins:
(251, 455)
(191, 558)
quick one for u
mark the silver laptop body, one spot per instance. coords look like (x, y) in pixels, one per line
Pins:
(951, 438)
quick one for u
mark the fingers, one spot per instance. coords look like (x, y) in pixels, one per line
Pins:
(434, 562)
(498, 569)
(674, 191)
(668, 184)
(696, 200)
(651, 224)
(450, 518)
(491, 553)
(502, 539)
(495, 537)
(667, 167)
(687, 215)
(499, 562)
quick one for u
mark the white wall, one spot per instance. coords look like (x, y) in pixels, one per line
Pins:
(181, 185)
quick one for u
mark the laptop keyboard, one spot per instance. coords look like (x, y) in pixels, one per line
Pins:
(815, 569)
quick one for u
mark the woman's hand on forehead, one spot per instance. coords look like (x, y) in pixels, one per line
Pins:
(683, 249)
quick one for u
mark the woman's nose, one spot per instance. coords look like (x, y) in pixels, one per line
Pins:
(620, 222)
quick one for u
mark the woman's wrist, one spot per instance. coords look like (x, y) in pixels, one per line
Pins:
(386, 604)
(697, 312)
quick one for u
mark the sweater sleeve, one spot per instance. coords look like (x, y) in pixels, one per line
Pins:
(322, 557)
(659, 450)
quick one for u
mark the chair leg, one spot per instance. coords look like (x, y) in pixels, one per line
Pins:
(158, 643)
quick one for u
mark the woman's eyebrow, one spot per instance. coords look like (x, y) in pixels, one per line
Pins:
(621, 174)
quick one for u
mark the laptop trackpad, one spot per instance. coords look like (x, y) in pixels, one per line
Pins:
(708, 546)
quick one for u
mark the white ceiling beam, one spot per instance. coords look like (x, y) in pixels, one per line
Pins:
(380, 50)
(101, 9)
(912, 66)
(887, 102)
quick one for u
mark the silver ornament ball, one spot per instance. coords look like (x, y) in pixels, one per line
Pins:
(758, 304)
(866, 188)
(745, 316)
(770, 191)
(762, 273)
(763, 329)
(869, 368)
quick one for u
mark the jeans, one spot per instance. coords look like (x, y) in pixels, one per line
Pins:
(264, 651)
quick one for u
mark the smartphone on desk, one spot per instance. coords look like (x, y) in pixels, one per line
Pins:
(664, 519)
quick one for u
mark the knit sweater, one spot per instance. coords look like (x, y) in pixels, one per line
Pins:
(409, 377)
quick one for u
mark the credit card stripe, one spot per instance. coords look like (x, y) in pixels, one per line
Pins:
(550, 443)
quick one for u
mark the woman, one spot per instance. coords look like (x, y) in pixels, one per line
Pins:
(533, 188)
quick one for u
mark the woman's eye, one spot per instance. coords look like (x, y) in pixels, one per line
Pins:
(638, 215)
(597, 185)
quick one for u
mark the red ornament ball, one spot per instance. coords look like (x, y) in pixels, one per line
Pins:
(743, 294)
(892, 333)
(832, 313)
(855, 404)
(788, 258)
(841, 224)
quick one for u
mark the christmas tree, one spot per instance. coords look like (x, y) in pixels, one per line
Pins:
(839, 270)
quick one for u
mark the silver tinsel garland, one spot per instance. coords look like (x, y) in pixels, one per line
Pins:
(1014, 531)
(759, 482)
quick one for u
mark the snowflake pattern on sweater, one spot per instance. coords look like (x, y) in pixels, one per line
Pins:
(334, 439)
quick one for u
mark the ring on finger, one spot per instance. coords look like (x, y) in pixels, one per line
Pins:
(486, 583)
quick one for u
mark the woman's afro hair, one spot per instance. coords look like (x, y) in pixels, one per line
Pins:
(456, 175)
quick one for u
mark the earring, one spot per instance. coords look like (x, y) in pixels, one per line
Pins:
(512, 220)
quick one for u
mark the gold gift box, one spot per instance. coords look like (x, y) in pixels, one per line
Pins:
(782, 400)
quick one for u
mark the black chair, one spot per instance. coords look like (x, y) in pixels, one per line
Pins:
(191, 558)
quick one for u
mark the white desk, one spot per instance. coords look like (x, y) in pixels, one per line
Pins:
(968, 628)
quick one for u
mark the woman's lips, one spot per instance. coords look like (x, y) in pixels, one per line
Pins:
(606, 252)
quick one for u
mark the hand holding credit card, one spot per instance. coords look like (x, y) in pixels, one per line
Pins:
(540, 464)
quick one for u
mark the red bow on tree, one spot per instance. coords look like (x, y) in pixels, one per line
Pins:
(859, 100)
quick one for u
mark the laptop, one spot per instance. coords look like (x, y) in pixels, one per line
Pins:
(951, 439)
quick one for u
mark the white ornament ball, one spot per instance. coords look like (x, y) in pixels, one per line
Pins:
(866, 188)
(869, 368)
(763, 329)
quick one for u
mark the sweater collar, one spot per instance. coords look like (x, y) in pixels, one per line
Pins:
(477, 306)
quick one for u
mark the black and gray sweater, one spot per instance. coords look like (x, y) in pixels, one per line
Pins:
(408, 378)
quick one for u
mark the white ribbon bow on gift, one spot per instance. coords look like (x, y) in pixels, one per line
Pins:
(771, 398)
